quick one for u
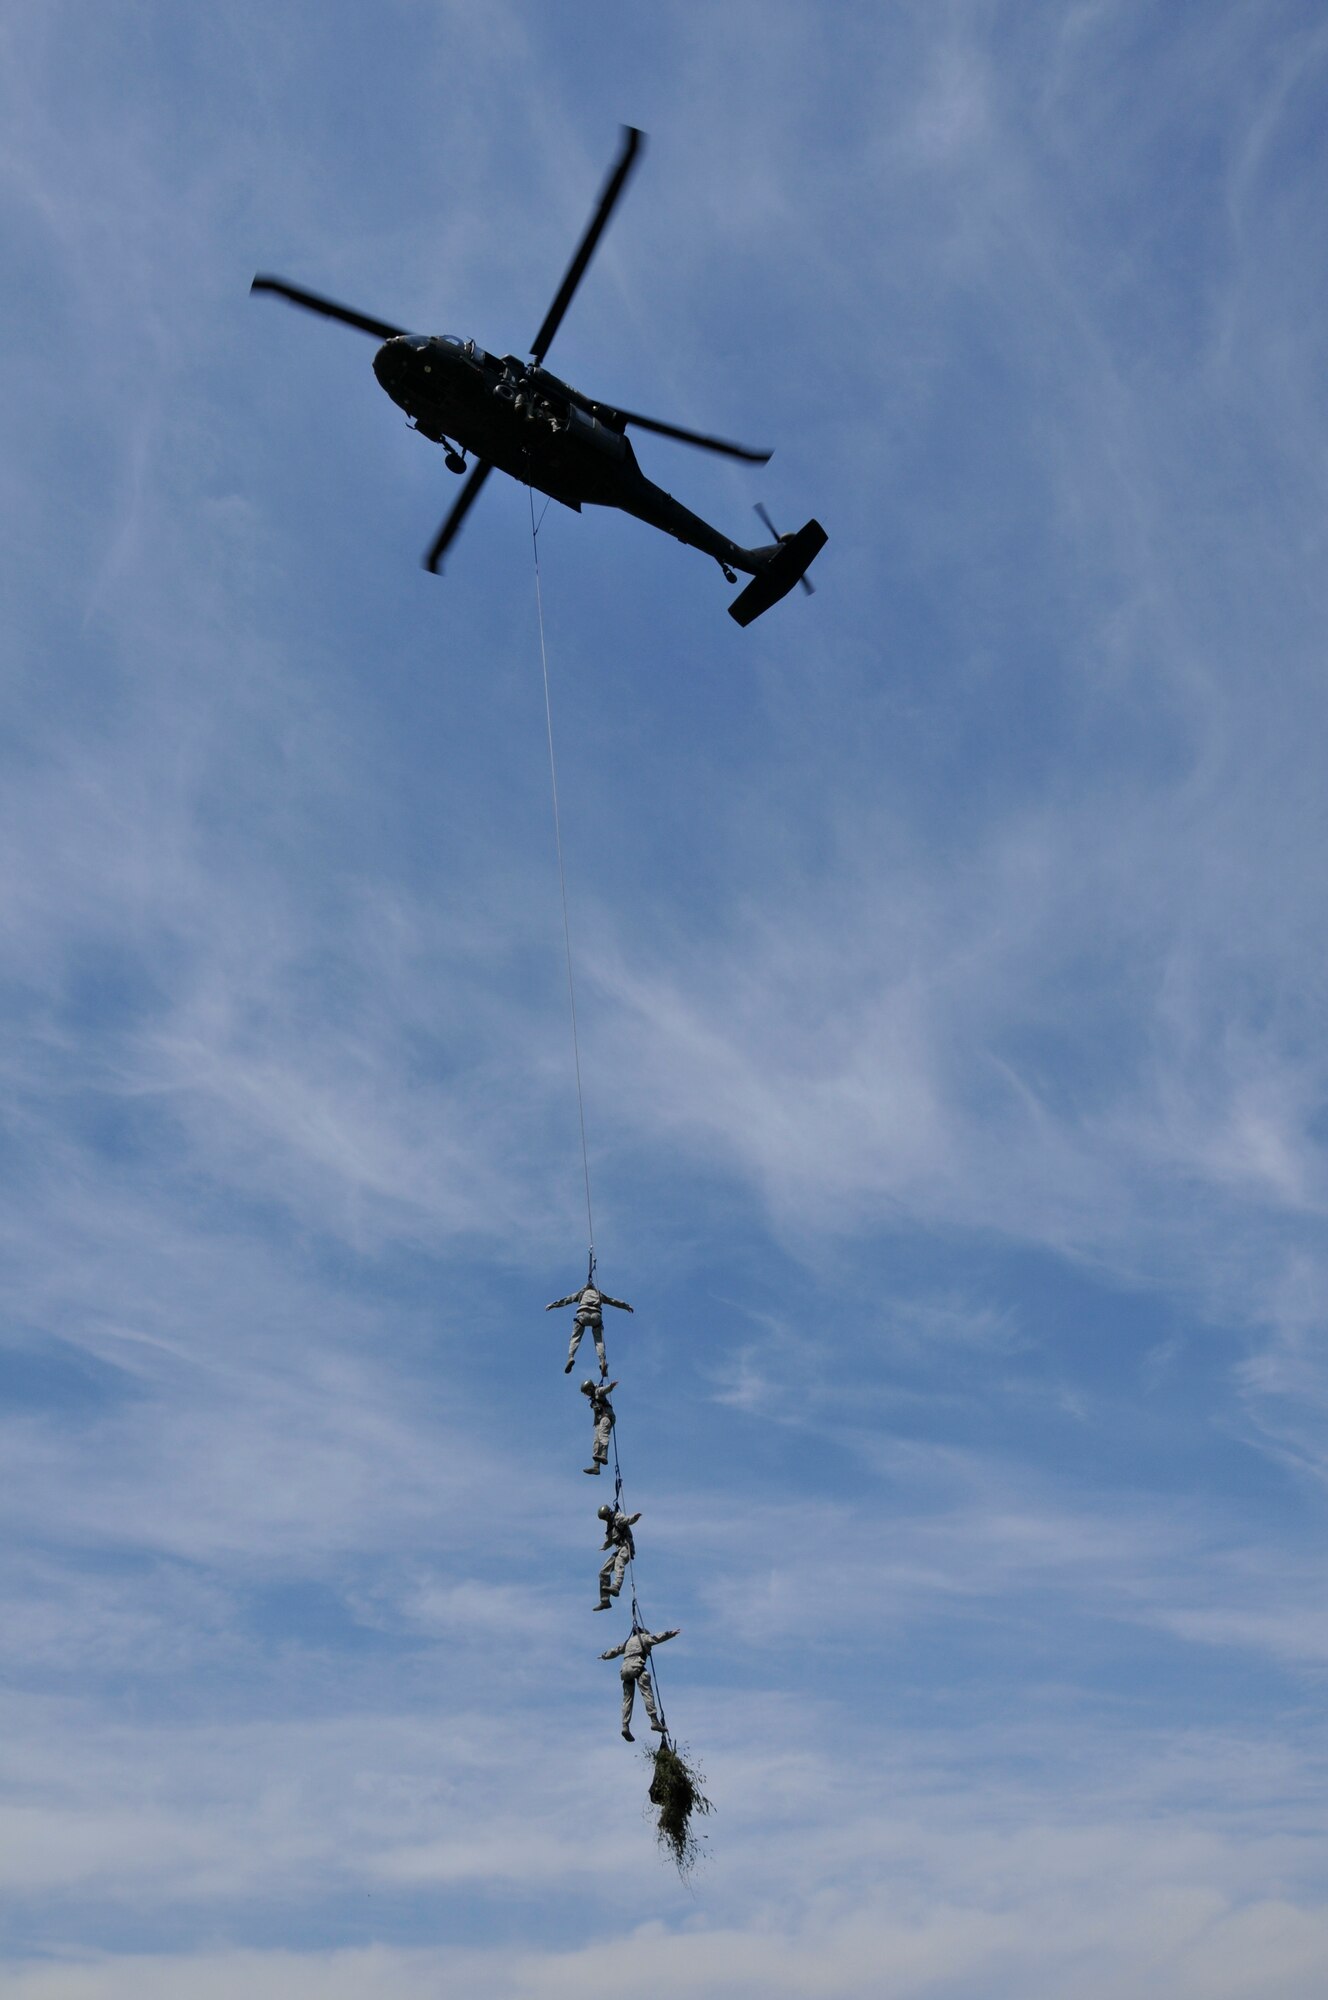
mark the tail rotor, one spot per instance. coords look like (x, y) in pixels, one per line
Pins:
(807, 585)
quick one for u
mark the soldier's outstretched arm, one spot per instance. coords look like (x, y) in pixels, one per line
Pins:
(632, 1520)
(621, 1304)
(614, 1651)
(660, 1637)
(570, 1300)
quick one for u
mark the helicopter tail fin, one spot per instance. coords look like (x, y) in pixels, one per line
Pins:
(786, 564)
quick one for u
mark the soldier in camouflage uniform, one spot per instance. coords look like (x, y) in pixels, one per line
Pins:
(635, 1650)
(618, 1541)
(589, 1318)
(601, 1411)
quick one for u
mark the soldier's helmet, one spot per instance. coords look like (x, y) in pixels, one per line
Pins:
(588, 1387)
(605, 1512)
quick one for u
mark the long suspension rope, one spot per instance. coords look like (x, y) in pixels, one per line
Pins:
(638, 1624)
(562, 877)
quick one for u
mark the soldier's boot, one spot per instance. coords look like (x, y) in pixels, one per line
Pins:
(628, 1736)
(603, 1605)
(593, 1470)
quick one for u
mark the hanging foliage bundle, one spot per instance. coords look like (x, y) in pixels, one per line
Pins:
(675, 1793)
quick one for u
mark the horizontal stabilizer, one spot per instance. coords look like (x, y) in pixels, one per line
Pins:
(786, 567)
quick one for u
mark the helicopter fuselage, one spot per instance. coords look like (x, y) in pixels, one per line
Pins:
(518, 417)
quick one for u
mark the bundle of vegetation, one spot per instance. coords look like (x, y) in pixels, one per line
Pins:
(675, 1793)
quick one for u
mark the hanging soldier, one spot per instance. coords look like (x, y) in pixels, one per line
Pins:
(618, 1541)
(601, 1415)
(635, 1650)
(589, 1302)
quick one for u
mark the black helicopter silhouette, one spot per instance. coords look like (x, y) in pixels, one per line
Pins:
(518, 417)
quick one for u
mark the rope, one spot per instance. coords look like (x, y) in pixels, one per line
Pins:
(562, 874)
(638, 1623)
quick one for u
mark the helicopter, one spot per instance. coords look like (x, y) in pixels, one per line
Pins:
(517, 417)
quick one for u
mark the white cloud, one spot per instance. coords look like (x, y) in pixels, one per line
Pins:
(1157, 1915)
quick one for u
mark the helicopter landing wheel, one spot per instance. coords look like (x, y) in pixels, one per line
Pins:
(731, 574)
(455, 462)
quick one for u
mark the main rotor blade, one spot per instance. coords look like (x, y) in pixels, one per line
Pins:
(694, 437)
(328, 307)
(465, 500)
(576, 270)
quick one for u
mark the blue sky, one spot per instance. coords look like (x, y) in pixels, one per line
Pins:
(950, 955)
